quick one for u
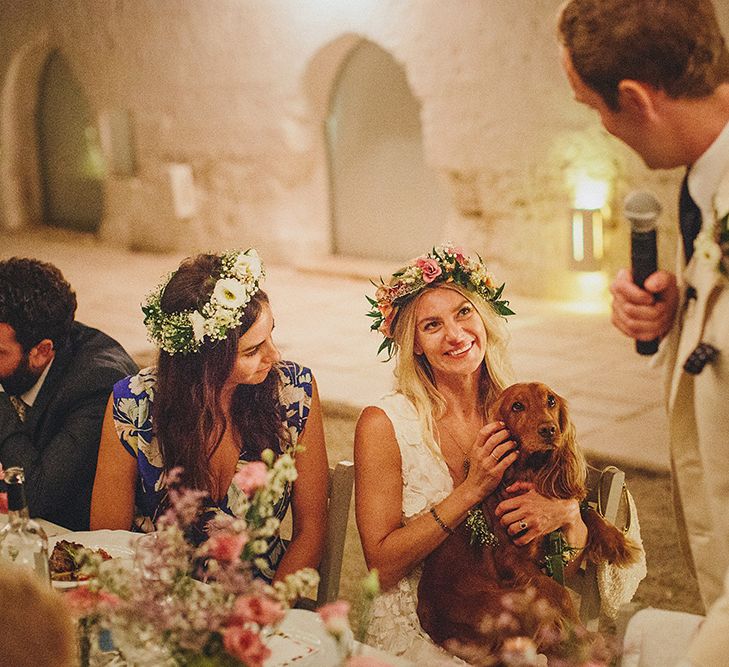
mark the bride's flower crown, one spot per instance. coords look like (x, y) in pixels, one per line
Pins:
(443, 264)
(241, 275)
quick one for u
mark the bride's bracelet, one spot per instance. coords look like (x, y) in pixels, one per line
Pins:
(443, 525)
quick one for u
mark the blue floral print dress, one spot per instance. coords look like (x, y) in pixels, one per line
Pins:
(133, 398)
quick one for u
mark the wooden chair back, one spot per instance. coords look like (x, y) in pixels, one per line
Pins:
(341, 483)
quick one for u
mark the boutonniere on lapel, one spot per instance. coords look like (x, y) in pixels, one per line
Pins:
(712, 246)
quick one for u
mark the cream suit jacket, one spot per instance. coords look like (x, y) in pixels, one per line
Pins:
(698, 414)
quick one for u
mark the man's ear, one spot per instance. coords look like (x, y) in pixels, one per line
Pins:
(637, 98)
(41, 354)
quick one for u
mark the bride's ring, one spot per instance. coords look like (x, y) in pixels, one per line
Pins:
(494, 457)
(523, 525)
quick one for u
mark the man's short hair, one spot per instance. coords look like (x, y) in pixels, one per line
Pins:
(36, 301)
(674, 45)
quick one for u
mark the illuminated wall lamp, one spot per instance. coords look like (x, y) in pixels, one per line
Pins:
(587, 239)
(586, 225)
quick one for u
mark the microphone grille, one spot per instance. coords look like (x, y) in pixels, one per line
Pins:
(642, 208)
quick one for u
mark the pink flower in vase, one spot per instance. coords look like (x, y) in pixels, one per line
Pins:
(83, 602)
(245, 645)
(336, 617)
(430, 268)
(226, 546)
(251, 477)
(258, 609)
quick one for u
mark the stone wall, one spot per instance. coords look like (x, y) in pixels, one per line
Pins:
(239, 89)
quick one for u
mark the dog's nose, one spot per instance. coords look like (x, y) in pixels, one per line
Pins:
(547, 431)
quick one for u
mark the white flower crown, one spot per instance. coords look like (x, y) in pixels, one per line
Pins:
(241, 275)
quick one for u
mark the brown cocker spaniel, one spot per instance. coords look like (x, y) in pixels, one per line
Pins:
(461, 585)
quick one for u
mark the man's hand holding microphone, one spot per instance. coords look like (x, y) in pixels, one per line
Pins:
(644, 299)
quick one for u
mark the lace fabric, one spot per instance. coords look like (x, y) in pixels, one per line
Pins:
(617, 585)
(394, 625)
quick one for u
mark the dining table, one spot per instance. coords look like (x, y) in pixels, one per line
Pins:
(300, 640)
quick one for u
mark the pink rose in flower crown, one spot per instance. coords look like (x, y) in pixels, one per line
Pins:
(245, 645)
(430, 268)
(336, 617)
(258, 609)
(251, 477)
(226, 546)
(386, 327)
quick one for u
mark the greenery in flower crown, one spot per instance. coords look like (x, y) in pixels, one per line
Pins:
(443, 264)
(241, 275)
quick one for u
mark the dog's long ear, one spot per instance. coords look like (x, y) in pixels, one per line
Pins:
(565, 477)
(574, 466)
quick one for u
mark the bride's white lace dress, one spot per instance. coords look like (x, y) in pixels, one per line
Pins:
(426, 481)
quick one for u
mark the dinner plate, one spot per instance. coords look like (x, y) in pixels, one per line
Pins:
(119, 544)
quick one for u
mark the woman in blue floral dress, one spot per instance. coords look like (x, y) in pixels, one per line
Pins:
(219, 396)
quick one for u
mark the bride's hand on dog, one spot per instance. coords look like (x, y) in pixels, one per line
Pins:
(541, 516)
(491, 454)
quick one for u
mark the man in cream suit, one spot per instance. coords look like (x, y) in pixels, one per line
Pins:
(657, 72)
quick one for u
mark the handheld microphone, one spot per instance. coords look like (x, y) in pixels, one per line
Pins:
(642, 210)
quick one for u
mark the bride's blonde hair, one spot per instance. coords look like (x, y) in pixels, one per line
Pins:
(414, 376)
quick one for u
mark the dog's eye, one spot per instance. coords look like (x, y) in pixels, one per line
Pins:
(551, 401)
(517, 406)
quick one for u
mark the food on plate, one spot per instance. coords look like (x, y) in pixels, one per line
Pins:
(67, 559)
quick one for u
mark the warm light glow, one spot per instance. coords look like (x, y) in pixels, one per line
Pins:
(591, 293)
(590, 193)
(578, 237)
(597, 237)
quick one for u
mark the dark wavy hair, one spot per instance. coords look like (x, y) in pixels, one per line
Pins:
(674, 45)
(188, 422)
(37, 301)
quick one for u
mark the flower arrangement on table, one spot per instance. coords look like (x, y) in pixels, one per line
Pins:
(184, 604)
(527, 621)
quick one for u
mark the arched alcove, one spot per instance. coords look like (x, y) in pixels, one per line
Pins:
(69, 156)
(385, 201)
(21, 182)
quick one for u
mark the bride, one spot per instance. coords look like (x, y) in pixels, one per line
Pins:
(425, 454)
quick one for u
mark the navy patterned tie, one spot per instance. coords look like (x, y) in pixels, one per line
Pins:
(689, 216)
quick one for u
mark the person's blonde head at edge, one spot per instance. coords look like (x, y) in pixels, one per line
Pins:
(414, 375)
(36, 628)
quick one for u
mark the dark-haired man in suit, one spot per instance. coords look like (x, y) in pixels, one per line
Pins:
(55, 379)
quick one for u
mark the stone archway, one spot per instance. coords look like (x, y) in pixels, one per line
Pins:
(70, 163)
(385, 202)
(20, 194)
(21, 173)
